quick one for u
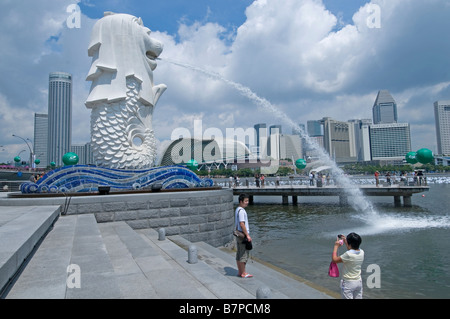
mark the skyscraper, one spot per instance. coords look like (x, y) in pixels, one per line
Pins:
(59, 116)
(314, 128)
(339, 140)
(362, 139)
(390, 142)
(384, 109)
(261, 139)
(442, 117)
(273, 142)
(275, 129)
(41, 139)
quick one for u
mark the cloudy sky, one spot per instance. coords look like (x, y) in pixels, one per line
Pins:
(310, 58)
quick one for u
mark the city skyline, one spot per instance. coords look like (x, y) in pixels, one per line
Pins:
(329, 65)
(387, 140)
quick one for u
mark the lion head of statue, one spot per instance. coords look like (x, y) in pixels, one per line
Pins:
(121, 47)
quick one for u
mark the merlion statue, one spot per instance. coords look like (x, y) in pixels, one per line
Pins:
(122, 95)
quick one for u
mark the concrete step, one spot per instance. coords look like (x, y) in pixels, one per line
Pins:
(74, 241)
(98, 280)
(115, 261)
(143, 270)
(219, 286)
(282, 285)
(21, 229)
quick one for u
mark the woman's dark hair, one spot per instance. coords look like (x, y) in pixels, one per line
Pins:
(354, 240)
(242, 197)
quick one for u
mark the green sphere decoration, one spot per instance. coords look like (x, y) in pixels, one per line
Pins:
(37, 161)
(52, 164)
(17, 159)
(192, 164)
(411, 158)
(424, 156)
(300, 163)
(70, 158)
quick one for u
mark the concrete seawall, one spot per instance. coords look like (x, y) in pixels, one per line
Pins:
(204, 215)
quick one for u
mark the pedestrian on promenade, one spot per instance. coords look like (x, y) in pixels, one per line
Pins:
(351, 282)
(311, 179)
(241, 224)
(377, 178)
(420, 177)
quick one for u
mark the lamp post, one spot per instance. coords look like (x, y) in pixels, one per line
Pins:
(29, 147)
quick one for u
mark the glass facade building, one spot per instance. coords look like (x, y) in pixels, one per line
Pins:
(442, 117)
(41, 139)
(384, 109)
(261, 136)
(390, 141)
(59, 116)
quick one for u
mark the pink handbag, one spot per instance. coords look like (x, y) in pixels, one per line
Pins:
(333, 271)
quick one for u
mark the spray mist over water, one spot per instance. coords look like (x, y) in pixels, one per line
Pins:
(357, 201)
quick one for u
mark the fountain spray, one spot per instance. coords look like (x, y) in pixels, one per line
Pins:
(359, 202)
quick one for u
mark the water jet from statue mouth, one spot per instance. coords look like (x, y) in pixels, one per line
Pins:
(151, 57)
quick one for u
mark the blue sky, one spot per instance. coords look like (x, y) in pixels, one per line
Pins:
(228, 13)
(167, 15)
(309, 58)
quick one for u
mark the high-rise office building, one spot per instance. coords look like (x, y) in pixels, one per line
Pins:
(384, 109)
(314, 128)
(84, 152)
(390, 141)
(362, 139)
(273, 142)
(41, 139)
(275, 129)
(291, 147)
(442, 117)
(261, 139)
(339, 140)
(59, 116)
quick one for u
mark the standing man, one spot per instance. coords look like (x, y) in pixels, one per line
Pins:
(241, 223)
(377, 178)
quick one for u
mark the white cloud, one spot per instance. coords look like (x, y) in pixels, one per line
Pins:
(292, 55)
(38, 42)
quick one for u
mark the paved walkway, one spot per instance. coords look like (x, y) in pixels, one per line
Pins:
(80, 259)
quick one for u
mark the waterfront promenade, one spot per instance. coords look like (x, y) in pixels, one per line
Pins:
(47, 255)
(294, 191)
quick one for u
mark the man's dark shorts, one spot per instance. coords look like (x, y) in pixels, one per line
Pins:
(242, 254)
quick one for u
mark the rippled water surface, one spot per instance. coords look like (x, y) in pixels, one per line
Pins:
(410, 245)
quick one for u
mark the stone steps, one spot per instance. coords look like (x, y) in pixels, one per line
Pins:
(219, 286)
(21, 229)
(281, 285)
(74, 240)
(146, 272)
(117, 262)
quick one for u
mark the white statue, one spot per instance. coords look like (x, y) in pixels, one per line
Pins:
(122, 94)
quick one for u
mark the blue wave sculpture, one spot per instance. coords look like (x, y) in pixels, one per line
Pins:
(87, 178)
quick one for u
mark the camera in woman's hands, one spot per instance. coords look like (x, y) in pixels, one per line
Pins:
(341, 239)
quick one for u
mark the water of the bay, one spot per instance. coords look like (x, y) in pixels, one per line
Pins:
(410, 245)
